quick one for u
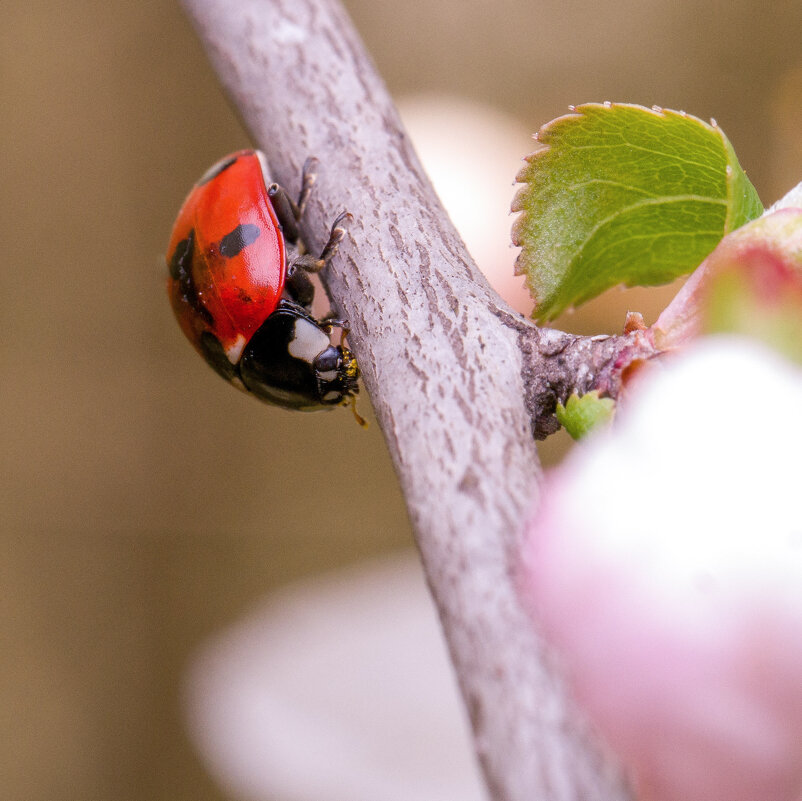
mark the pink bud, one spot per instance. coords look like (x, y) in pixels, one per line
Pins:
(764, 257)
(665, 567)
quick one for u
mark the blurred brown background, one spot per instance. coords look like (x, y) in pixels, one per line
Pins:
(143, 503)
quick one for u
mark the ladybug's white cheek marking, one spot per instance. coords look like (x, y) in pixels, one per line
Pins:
(235, 351)
(307, 341)
(330, 396)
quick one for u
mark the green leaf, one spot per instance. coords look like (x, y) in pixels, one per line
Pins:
(582, 413)
(622, 194)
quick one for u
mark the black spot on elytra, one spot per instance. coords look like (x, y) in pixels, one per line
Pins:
(181, 271)
(216, 169)
(181, 260)
(242, 236)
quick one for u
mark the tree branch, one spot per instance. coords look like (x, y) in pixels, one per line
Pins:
(458, 380)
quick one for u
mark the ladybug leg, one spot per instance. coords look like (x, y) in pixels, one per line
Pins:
(315, 265)
(330, 321)
(335, 237)
(299, 286)
(287, 210)
(308, 178)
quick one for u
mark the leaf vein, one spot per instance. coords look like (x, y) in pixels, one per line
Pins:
(664, 200)
(649, 236)
(661, 153)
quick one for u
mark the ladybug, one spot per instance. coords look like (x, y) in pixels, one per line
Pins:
(239, 285)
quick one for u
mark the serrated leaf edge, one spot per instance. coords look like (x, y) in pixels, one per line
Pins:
(575, 111)
(517, 205)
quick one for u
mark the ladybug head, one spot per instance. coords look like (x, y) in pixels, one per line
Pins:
(291, 362)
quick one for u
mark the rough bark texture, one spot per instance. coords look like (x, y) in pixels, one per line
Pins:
(456, 378)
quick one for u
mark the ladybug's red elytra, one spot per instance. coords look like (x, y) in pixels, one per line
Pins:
(240, 288)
